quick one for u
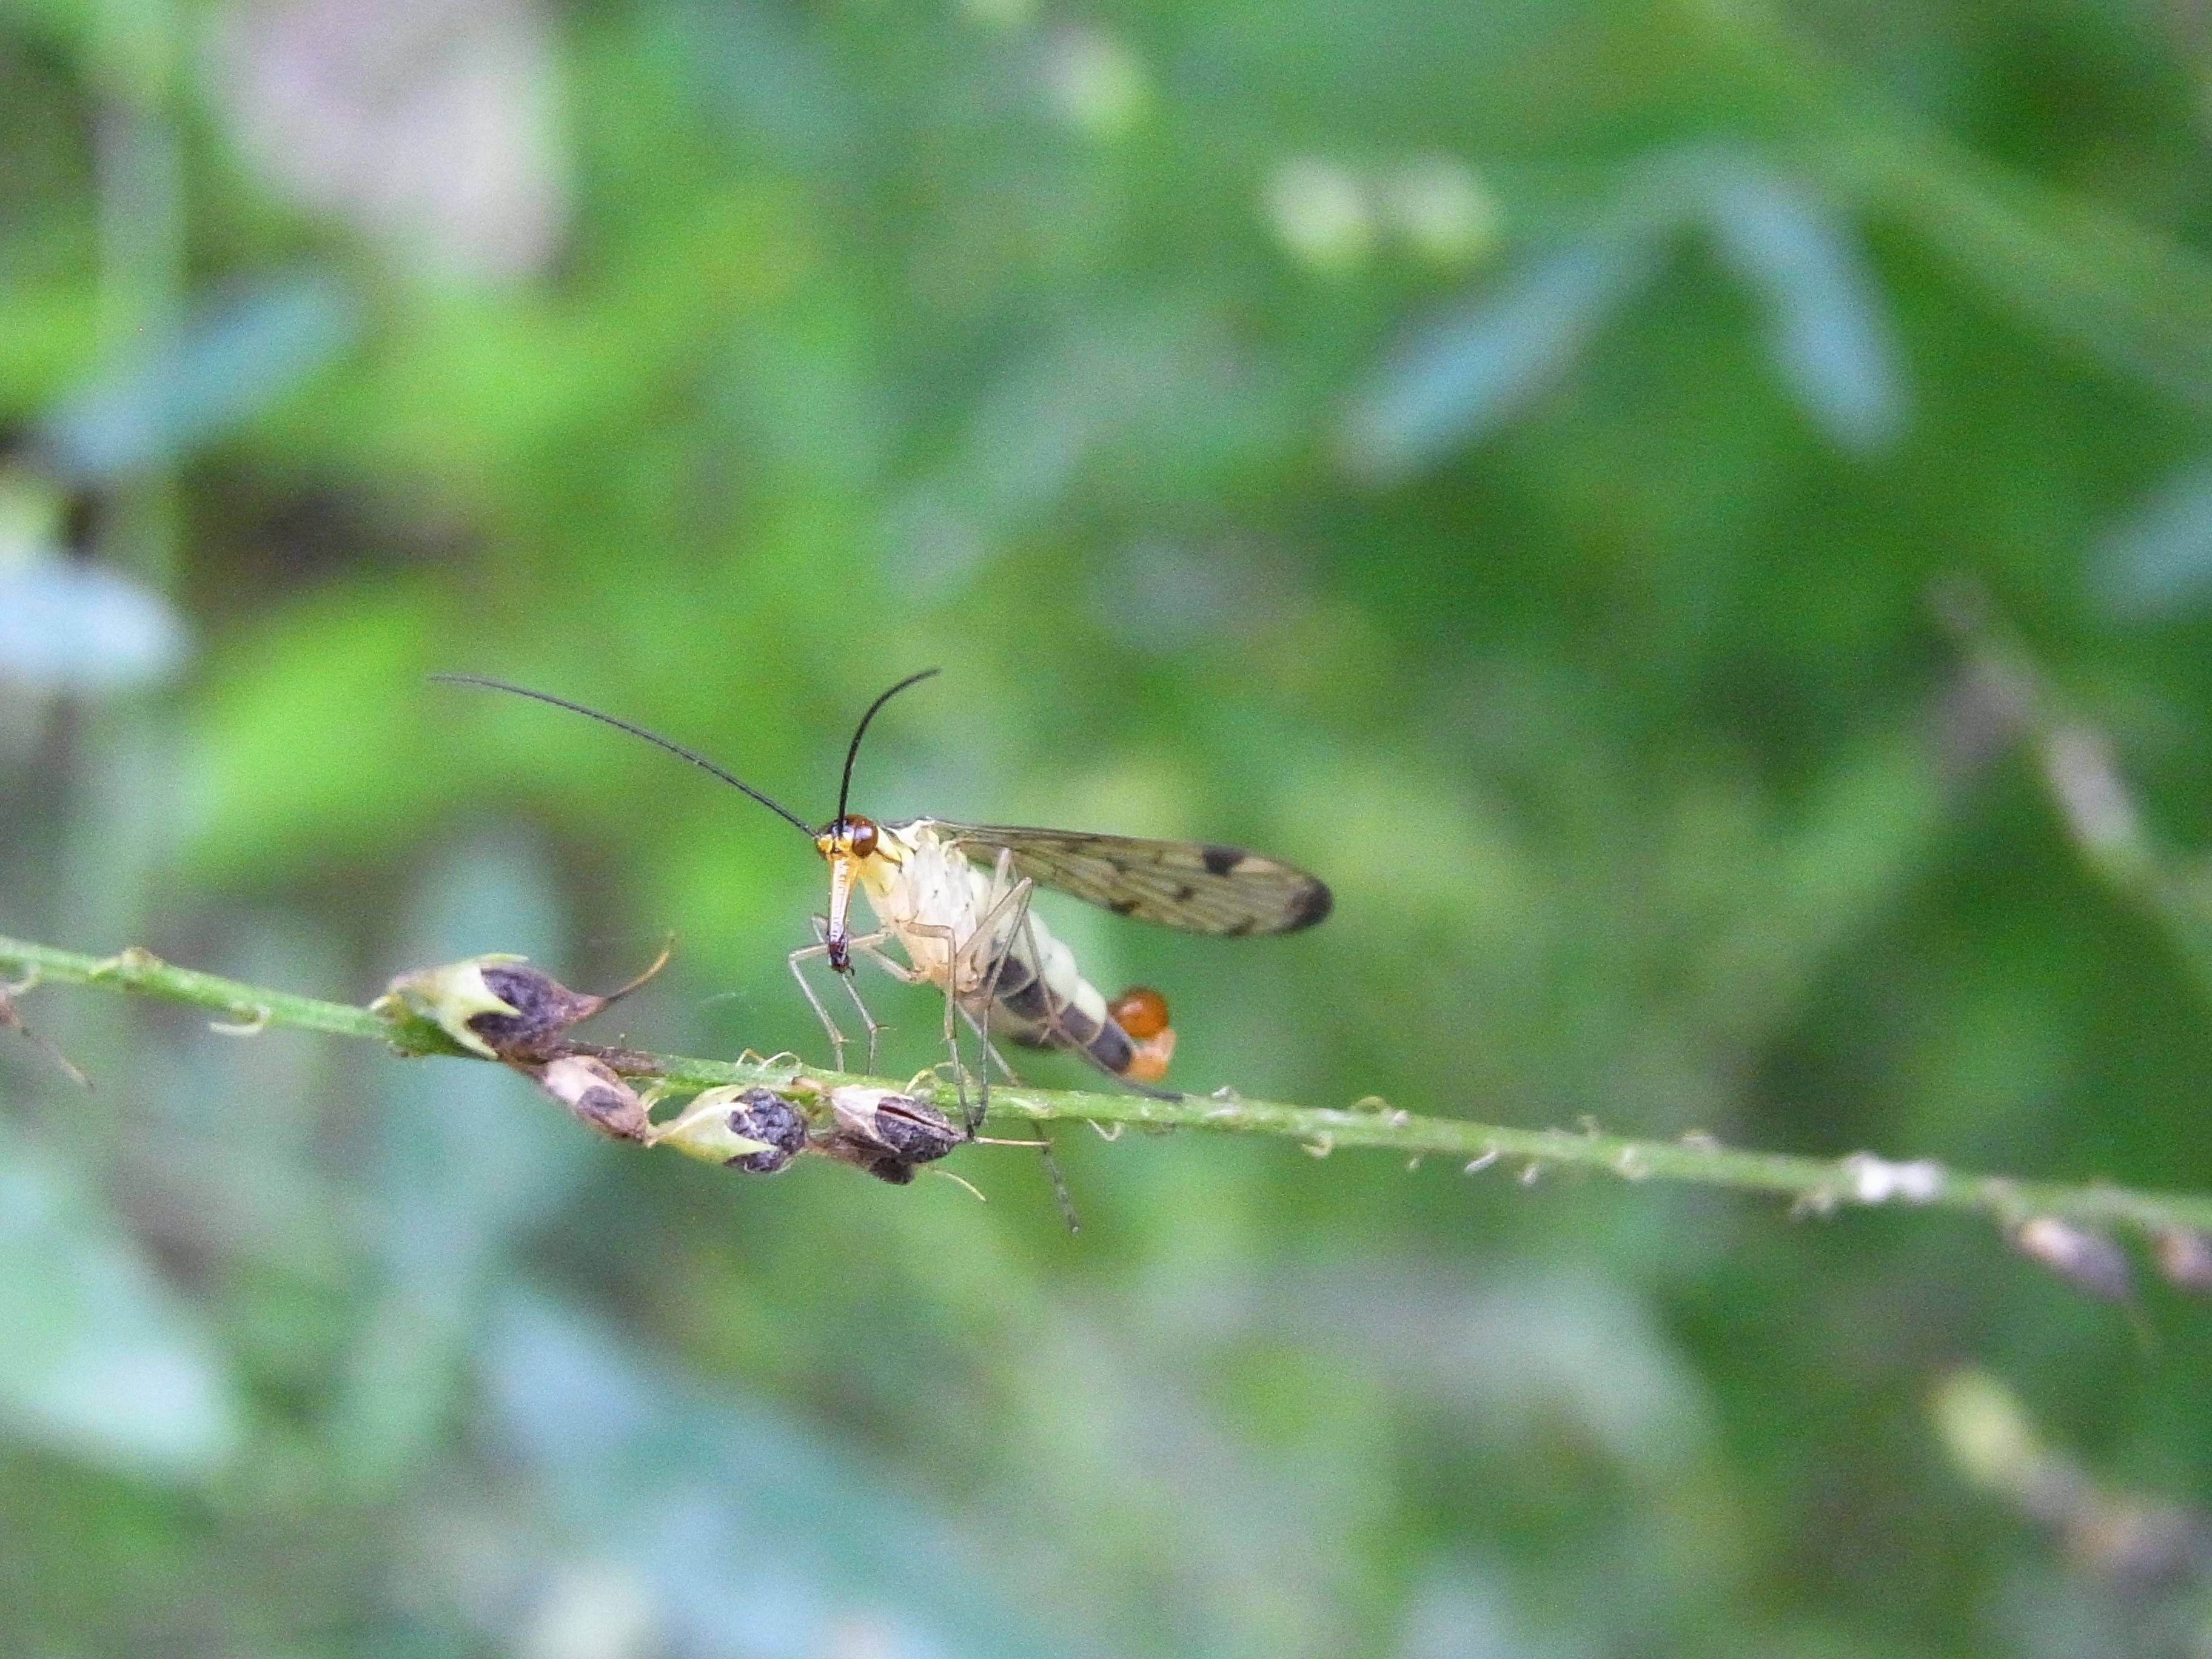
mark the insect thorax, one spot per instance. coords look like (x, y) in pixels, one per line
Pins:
(920, 888)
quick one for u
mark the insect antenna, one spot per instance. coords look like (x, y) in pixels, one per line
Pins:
(845, 788)
(676, 749)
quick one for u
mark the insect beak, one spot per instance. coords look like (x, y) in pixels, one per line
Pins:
(840, 899)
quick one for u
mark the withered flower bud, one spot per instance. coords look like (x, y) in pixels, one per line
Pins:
(2185, 1256)
(543, 1009)
(452, 997)
(499, 1006)
(595, 1094)
(753, 1129)
(2089, 1262)
(886, 1134)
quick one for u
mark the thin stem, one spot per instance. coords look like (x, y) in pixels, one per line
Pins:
(1816, 1185)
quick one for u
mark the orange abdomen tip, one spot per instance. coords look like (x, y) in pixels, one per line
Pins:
(1148, 1060)
(1140, 1011)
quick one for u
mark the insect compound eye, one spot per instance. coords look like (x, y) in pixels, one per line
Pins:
(860, 835)
(1140, 1011)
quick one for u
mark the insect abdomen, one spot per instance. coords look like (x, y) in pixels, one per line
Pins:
(1063, 1020)
(1082, 1020)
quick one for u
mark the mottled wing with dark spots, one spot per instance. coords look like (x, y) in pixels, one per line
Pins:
(1197, 885)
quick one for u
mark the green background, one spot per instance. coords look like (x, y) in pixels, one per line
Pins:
(1525, 462)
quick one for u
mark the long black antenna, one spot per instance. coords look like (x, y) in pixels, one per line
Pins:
(693, 755)
(845, 789)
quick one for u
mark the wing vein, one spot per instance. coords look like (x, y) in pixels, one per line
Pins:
(1201, 887)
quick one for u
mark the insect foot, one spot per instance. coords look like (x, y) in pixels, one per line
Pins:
(888, 1135)
(752, 1129)
(499, 1007)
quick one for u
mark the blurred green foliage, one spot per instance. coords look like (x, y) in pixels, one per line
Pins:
(1503, 457)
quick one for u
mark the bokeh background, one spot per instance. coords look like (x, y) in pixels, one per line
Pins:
(1695, 517)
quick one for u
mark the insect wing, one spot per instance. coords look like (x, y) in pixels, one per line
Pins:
(1199, 886)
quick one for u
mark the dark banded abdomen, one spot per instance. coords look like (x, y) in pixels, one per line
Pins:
(1063, 1021)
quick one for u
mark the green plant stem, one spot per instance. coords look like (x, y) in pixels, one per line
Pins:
(1814, 1184)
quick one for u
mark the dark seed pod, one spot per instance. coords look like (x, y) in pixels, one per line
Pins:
(886, 1134)
(598, 1098)
(899, 1124)
(540, 1009)
(499, 1007)
(753, 1129)
(884, 1166)
(763, 1115)
(451, 996)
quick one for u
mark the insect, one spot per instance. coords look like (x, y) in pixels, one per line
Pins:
(955, 899)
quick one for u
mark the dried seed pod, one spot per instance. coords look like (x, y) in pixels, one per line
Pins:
(451, 996)
(762, 1115)
(499, 1006)
(2185, 1257)
(2088, 1260)
(542, 1010)
(753, 1129)
(595, 1094)
(887, 1134)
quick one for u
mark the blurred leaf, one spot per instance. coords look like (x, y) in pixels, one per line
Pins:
(753, 1535)
(2158, 558)
(320, 725)
(2133, 296)
(1830, 335)
(96, 1357)
(218, 368)
(1160, 389)
(456, 164)
(1460, 379)
(467, 1157)
(761, 70)
(2130, 297)
(66, 625)
(1465, 1612)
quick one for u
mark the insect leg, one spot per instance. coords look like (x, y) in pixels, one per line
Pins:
(1021, 895)
(953, 947)
(1005, 1071)
(1007, 898)
(969, 984)
(1001, 872)
(829, 1025)
(821, 948)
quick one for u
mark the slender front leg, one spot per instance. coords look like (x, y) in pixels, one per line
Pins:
(821, 948)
